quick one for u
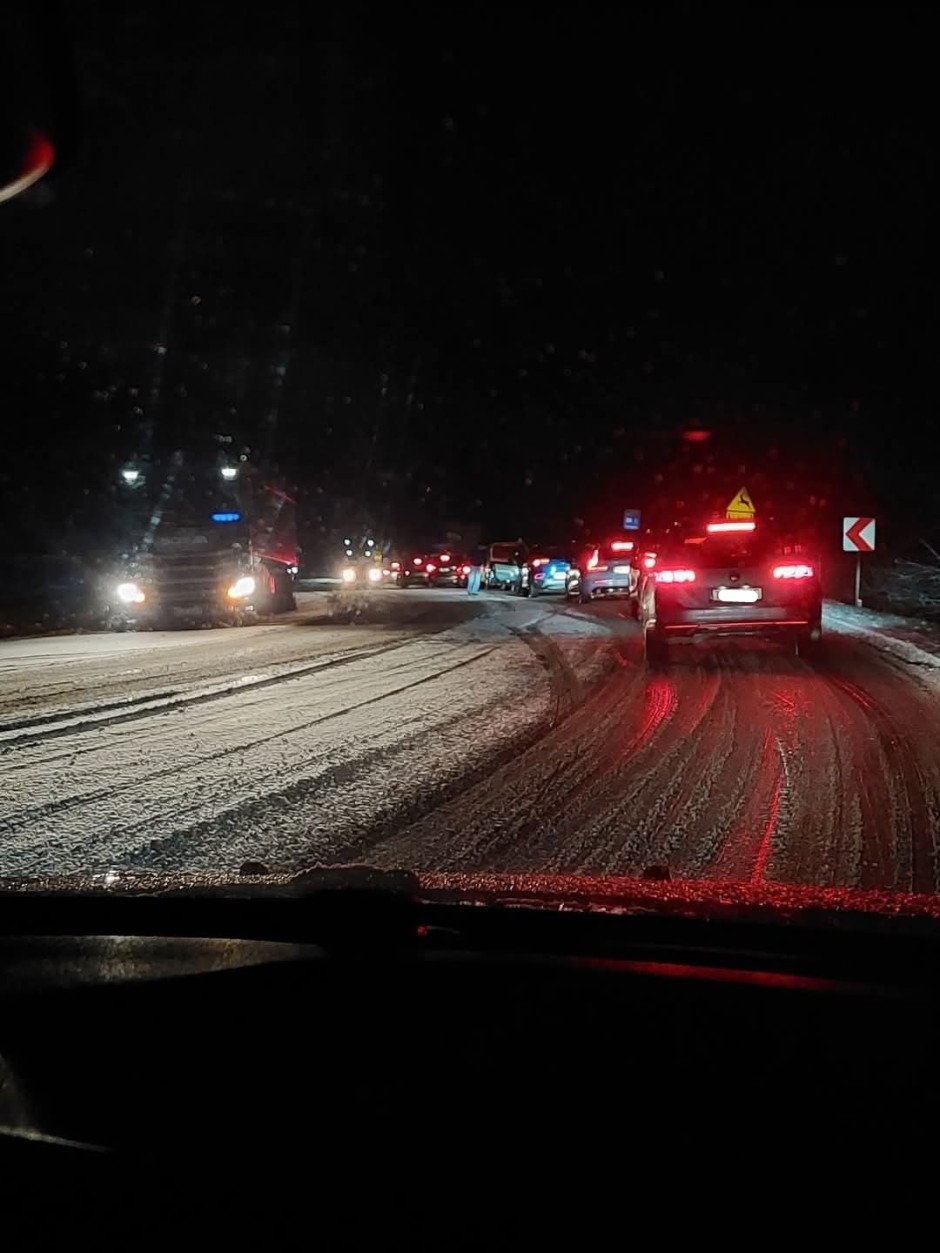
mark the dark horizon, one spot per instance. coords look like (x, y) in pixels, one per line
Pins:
(490, 275)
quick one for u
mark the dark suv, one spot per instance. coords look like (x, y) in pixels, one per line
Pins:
(732, 579)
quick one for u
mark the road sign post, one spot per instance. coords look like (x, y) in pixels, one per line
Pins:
(858, 536)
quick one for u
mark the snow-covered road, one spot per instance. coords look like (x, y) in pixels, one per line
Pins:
(282, 742)
(441, 733)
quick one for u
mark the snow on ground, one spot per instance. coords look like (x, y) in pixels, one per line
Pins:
(910, 640)
(586, 643)
(297, 761)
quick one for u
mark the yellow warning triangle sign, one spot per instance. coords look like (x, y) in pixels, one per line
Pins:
(741, 506)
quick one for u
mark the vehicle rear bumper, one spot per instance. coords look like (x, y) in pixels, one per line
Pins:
(740, 620)
(548, 585)
(607, 584)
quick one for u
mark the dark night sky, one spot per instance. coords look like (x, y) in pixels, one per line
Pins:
(483, 268)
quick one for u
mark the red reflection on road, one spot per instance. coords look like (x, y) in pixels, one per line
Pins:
(659, 703)
(763, 850)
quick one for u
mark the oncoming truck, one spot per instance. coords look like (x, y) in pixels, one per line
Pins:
(218, 546)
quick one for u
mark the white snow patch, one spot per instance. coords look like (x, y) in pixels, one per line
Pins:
(915, 642)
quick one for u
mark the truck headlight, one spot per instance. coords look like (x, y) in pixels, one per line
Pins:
(130, 594)
(375, 574)
(242, 587)
(349, 574)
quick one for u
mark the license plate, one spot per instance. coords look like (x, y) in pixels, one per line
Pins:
(621, 569)
(737, 595)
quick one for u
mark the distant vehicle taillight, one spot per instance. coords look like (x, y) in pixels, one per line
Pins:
(799, 571)
(675, 576)
(622, 546)
(430, 567)
(418, 561)
(396, 565)
(593, 560)
(649, 561)
(465, 569)
(445, 559)
(539, 561)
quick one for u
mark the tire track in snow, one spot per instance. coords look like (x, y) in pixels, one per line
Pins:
(741, 764)
(204, 767)
(96, 717)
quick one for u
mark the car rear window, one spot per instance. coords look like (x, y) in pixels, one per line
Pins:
(733, 549)
(608, 552)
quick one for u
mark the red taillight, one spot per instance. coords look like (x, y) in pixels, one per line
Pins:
(725, 528)
(539, 561)
(798, 571)
(396, 565)
(445, 558)
(466, 569)
(675, 576)
(417, 562)
(622, 546)
(430, 567)
(649, 561)
(593, 560)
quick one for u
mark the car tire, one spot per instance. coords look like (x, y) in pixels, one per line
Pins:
(655, 648)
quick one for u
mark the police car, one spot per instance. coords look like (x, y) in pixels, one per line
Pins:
(734, 578)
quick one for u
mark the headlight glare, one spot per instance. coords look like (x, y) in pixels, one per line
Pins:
(242, 587)
(130, 594)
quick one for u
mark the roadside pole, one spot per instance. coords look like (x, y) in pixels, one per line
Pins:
(858, 536)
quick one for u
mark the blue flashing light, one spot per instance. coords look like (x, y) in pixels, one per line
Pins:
(226, 517)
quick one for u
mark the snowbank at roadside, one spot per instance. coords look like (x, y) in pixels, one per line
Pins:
(910, 640)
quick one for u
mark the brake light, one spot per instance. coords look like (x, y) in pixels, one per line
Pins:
(593, 560)
(396, 565)
(675, 576)
(539, 561)
(430, 567)
(445, 558)
(725, 528)
(466, 569)
(622, 546)
(649, 561)
(800, 571)
(417, 562)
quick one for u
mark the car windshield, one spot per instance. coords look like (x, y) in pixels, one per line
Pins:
(322, 335)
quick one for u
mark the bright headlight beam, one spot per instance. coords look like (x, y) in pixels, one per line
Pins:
(130, 594)
(242, 587)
